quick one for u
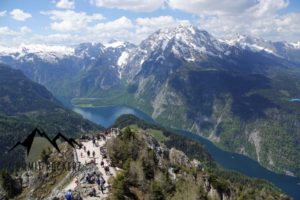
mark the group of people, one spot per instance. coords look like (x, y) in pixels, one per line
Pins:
(89, 153)
(94, 178)
(99, 180)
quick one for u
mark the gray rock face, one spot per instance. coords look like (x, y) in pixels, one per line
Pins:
(3, 195)
(178, 157)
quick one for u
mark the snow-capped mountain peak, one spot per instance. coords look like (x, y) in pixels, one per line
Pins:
(187, 42)
(187, 35)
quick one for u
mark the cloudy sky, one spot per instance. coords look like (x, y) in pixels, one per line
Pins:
(70, 22)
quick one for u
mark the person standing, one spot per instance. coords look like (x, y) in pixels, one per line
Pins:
(98, 183)
(94, 142)
(102, 183)
(69, 195)
(94, 192)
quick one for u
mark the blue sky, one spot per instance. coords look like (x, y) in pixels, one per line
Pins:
(67, 22)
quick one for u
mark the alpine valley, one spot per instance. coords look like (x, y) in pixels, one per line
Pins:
(236, 92)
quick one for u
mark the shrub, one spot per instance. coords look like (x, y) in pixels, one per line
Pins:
(45, 156)
(156, 191)
(10, 185)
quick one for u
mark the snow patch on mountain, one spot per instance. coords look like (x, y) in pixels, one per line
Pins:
(252, 43)
(44, 52)
(280, 49)
(296, 45)
(115, 44)
(123, 59)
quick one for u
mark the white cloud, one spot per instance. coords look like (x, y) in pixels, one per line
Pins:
(268, 7)
(133, 5)
(5, 31)
(120, 23)
(68, 20)
(20, 15)
(3, 13)
(25, 30)
(160, 22)
(119, 29)
(130, 30)
(278, 28)
(155, 21)
(146, 26)
(252, 17)
(57, 39)
(201, 7)
(65, 4)
(122, 28)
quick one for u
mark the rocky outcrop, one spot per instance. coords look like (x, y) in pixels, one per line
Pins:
(178, 158)
(159, 150)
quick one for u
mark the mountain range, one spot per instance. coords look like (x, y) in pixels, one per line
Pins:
(234, 92)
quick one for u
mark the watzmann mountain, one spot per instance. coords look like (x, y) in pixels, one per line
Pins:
(236, 92)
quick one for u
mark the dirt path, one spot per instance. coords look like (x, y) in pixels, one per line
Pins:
(83, 159)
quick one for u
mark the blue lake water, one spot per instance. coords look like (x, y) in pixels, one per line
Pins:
(294, 100)
(105, 116)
